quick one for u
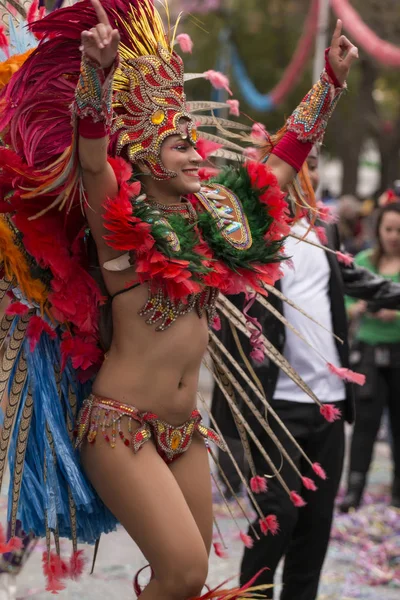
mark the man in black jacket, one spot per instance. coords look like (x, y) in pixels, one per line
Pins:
(317, 282)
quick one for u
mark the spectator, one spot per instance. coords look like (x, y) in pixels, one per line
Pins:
(376, 352)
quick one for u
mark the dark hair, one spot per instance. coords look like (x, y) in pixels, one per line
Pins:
(378, 252)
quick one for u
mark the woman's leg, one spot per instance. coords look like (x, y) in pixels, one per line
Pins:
(145, 497)
(192, 474)
(370, 401)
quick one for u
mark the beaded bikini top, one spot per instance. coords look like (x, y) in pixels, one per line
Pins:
(230, 220)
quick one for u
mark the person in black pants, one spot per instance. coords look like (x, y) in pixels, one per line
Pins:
(318, 283)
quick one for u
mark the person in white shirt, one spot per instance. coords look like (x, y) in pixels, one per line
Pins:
(317, 283)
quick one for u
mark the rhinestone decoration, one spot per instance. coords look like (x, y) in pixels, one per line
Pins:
(151, 110)
(104, 415)
(310, 118)
(228, 212)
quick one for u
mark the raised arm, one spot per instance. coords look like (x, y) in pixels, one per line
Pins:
(93, 111)
(307, 124)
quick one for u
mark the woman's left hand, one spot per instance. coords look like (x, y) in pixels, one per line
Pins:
(342, 53)
(386, 315)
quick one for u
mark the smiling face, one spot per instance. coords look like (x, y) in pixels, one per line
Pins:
(180, 156)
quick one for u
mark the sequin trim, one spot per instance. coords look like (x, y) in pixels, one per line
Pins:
(310, 118)
(104, 415)
(93, 94)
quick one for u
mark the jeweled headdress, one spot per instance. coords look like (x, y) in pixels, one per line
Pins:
(150, 100)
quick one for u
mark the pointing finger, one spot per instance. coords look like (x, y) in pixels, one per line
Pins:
(337, 33)
(100, 12)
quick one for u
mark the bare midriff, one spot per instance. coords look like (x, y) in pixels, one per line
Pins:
(153, 370)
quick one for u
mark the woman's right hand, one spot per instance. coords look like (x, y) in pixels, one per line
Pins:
(357, 310)
(101, 42)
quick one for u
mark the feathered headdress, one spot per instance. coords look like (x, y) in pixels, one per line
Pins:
(150, 100)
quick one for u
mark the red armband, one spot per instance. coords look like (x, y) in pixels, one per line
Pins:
(92, 130)
(292, 150)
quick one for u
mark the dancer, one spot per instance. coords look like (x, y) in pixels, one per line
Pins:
(161, 246)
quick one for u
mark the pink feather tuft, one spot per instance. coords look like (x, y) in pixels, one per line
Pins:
(233, 107)
(258, 132)
(347, 374)
(297, 499)
(318, 470)
(219, 550)
(4, 43)
(321, 234)
(330, 412)
(185, 42)
(216, 324)
(309, 484)
(54, 570)
(206, 147)
(269, 525)
(32, 12)
(17, 308)
(258, 484)
(346, 259)
(76, 564)
(325, 213)
(35, 328)
(12, 544)
(251, 153)
(246, 539)
(218, 80)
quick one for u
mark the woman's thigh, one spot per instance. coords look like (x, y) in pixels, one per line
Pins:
(141, 491)
(192, 473)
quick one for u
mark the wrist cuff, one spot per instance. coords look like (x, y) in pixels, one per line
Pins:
(292, 150)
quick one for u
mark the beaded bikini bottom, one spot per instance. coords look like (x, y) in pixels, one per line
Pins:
(103, 415)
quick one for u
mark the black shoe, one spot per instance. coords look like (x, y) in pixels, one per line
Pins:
(395, 501)
(355, 489)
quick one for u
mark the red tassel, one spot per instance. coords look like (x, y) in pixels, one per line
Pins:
(297, 499)
(246, 539)
(219, 550)
(318, 470)
(258, 484)
(309, 484)
(76, 564)
(347, 374)
(14, 543)
(330, 412)
(269, 525)
(54, 570)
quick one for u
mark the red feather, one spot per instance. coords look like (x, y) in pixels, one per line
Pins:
(76, 564)
(36, 327)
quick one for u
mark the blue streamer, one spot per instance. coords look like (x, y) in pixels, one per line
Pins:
(257, 101)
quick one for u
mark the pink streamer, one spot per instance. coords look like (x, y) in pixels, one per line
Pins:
(384, 52)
